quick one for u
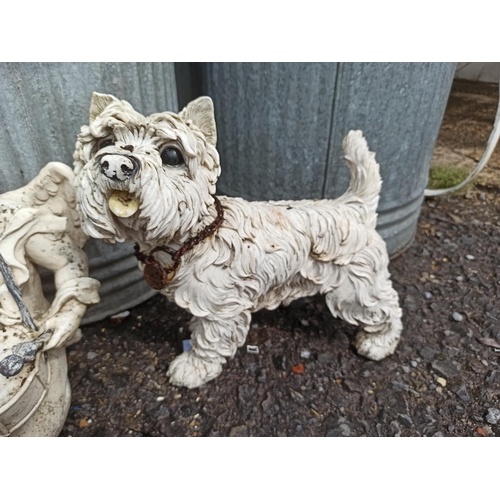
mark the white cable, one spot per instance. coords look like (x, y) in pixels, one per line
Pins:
(490, 146)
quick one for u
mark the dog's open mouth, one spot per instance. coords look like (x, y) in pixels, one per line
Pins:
(123, 204)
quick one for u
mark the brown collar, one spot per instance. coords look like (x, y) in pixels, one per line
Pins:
(158, 276)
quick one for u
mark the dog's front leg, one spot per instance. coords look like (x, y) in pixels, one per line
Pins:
(212, 341)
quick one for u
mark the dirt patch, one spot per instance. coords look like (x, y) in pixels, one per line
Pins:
(466, 127)
(444, 378)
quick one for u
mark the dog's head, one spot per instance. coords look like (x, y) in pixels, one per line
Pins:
(145, 179)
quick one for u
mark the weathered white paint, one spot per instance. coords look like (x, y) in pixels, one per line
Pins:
(40, 226)
(263, 255)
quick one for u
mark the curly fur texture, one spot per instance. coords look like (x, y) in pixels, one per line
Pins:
(265, 253)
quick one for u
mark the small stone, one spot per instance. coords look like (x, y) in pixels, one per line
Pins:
(345, 430)
(406, 368)
(470, 257)
(488, 430)
(493, 416)
(304, 322)
(406, 420)
(399, 386)
(268, 403)
(252, 368)
(428, 295)
(305, 354)
(239, 431)
(352, 386)
(123, 314)
(445, 368)
(439, 390)
(461, 392)
(427, 353)
(413, 363)
(326, 357)
(91, 355)
(441, 381)
(459, 278)
(478, 367)
(457, 316)
(395, 428)
(177, 396)
(494, 377)
(83, 423)
(160, 398)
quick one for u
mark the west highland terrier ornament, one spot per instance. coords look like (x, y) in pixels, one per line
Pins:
(151, 180)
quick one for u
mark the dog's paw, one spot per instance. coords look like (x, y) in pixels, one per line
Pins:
(189, 370)
(374, 347)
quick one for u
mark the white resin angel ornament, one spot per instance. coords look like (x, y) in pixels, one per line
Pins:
(39, 226)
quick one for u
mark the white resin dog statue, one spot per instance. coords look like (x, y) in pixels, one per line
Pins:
(151, 180)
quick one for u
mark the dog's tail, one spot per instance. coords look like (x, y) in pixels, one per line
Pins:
(365, 177)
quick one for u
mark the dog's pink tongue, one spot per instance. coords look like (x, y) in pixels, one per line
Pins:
(123, 204)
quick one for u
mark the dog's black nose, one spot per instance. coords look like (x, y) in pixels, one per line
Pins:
(118, 167)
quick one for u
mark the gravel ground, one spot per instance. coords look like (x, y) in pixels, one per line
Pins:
(306, 380)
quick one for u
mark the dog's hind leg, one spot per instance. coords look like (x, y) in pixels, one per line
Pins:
(381, 322)
(377, 341)
(212, 341)
(369, 300)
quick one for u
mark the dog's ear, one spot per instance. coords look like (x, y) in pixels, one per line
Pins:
(201, 113)
(99, 103)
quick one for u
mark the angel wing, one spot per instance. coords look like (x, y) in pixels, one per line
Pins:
(53, 190)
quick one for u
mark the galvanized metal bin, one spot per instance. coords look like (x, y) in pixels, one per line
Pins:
(42, 107)
(281, 125)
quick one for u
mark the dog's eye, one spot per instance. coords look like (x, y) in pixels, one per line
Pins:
(172, 157)
(104, 143)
